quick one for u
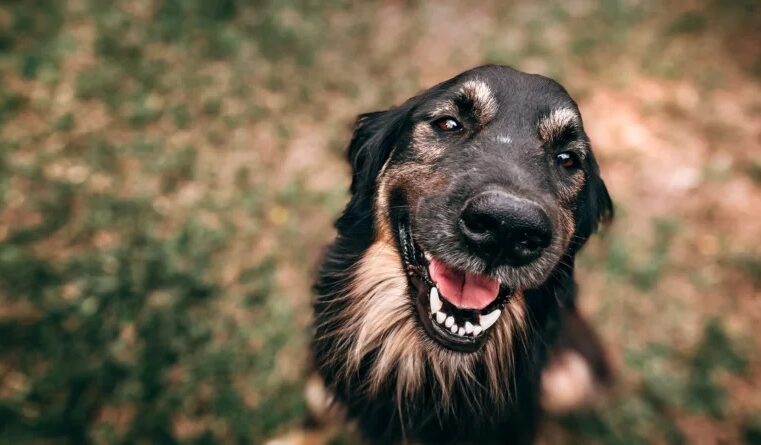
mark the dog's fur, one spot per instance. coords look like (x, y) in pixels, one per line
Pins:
(369, 347)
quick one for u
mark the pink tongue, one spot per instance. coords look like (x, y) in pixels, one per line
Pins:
(464, 290)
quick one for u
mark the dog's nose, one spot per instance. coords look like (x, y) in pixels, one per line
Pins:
(505, 229)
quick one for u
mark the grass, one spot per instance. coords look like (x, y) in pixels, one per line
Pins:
(169, 172)
(669, 380)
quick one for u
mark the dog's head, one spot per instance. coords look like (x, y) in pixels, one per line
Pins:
(482, 184)
(463, 197)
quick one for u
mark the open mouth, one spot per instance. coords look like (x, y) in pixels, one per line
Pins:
(455, 307)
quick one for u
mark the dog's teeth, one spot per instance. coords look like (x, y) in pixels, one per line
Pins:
(427, 256)
(440, 317)
(468, 327)
(476, 330)
(453, 329)
(489, 319)
(435, 300)
(449, 321)
(461, 332)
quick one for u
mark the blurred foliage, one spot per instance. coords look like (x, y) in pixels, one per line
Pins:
(157, 241)
(112, 343)
(669, 380)
(108, 336)
(644, 273)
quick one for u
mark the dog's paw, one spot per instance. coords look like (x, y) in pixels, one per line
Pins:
(568, 382)
(302, 437)
(321, 404)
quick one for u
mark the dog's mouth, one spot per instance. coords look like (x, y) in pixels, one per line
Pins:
(456, 308)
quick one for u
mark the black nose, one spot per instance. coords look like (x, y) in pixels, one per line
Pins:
(505, 229)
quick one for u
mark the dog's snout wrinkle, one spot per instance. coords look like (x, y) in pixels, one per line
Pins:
(505, 229)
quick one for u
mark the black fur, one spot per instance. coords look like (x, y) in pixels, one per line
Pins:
(473, 416)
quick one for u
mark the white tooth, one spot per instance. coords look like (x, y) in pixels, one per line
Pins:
(461, 332)
(468, 327)
(435, 300)
(476, 330)
(440, 317)
(427, 256)
(453, 329)
(449, 321)
(489, 319)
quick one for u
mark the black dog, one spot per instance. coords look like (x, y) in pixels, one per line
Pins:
(440, 299)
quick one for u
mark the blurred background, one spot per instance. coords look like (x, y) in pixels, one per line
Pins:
(169, 173)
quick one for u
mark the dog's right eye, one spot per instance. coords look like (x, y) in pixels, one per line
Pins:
(447, 124)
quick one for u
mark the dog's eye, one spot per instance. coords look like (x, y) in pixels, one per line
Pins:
(567, 160)
(447, 124)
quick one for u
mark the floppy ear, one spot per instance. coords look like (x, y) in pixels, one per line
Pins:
(595, 206)
(369, 148)
(375, 136)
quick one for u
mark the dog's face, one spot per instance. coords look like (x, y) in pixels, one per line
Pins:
(482, 185)
(464, 198)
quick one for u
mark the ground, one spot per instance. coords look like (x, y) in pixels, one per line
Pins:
(169, 173)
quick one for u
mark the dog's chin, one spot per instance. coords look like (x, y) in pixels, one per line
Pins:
(446, 320)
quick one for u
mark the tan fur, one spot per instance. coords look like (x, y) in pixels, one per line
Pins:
(425, 143)
(383, 231)
(414, 178)
(552, 125)
(567, 383)
(304, 437)
(424, 140)
(381, 284)
(484, 104)
(568, 226)
(567, 193)
(321, 402)
(381, 318)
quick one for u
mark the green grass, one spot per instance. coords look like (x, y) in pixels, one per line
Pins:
(670, 380)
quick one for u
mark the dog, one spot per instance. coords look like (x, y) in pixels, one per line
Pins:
(449, 290)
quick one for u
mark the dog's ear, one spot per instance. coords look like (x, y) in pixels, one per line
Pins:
(595, 206)
(375, 136)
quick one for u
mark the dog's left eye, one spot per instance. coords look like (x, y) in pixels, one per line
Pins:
(447, 124)
(567, 160)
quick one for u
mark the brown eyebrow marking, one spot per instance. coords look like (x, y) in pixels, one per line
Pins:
(560, 120)
(474, 98)
(480, 96)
